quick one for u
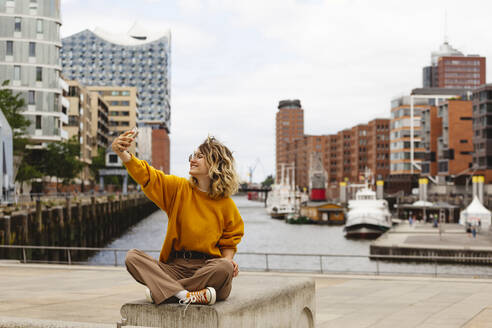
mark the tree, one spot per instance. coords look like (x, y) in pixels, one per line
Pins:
(61, 160)
(98, 162)
(268, 181)
(12, 106)
(25, 173)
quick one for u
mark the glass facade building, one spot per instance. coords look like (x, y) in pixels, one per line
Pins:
(30, 60)
(136, 59)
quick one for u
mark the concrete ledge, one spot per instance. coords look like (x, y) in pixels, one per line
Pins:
(255, 301)
(14, 322)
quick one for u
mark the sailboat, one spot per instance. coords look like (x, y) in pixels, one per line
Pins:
(281, 202)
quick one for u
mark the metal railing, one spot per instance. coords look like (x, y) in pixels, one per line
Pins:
(377, 259)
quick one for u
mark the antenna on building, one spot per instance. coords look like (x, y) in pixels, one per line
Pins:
(445, 26)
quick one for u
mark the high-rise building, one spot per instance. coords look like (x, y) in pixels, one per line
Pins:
(136, 59)
(30, 60)
(450, 68)
(289, 127)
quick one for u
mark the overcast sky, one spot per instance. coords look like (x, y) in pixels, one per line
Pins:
(233, 60)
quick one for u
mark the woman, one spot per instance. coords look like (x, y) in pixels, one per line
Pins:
(196, 260)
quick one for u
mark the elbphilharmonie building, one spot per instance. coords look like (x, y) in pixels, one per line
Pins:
(138, 59)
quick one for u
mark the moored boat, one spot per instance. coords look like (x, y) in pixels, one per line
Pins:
(367, 216)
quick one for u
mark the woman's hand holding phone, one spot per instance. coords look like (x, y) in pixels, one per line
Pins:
(121, 144)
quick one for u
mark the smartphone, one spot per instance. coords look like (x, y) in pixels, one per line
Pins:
(134, 132)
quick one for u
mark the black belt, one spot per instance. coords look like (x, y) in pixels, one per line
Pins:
(189, 255)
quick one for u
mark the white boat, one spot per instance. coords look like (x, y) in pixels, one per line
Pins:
(284, 200)
(367, 216)
(280, 201)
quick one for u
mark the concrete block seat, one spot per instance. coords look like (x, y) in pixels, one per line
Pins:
(256, 301)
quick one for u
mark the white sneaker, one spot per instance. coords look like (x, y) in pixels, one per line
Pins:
(148, 295)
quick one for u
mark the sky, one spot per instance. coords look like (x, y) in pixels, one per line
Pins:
(234, 60)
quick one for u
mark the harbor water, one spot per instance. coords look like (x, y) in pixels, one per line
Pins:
(265, 235)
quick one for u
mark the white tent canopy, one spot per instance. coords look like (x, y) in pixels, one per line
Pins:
(476, 212)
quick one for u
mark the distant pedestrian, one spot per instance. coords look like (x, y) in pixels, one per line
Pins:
(474, 231)
(436, 222)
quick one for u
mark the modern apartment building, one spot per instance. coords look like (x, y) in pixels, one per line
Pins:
(450, 68)
(88, 122)
(482, 131)
(401, 135)
(289, 127)
(122, 106)
(136, 59)
(30, 60)
(455, 146)
(431, 132)
(88, 119)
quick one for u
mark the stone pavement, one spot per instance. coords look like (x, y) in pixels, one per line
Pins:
(95, 295)
(424, 235)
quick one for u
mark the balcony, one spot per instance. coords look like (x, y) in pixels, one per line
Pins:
(65, 103)
(448, 154)
(63, 84)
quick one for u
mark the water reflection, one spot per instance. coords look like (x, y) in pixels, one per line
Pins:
(266, 235)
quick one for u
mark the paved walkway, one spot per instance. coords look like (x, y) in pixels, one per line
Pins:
(95, 294)
(424, 235)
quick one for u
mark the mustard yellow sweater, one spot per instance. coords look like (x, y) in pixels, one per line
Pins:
(196, 222)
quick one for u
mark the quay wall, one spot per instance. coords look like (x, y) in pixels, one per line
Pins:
(92, 223)
(463, 255)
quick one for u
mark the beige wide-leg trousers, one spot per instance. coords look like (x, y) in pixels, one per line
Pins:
(166, 279)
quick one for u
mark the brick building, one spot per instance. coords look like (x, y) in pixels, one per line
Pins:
(431, 132)
(289, 127)
(450, 68)
(378, 146)
(345, 155)
(455, 147)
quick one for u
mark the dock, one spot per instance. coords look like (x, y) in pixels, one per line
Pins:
(93, 296)
(452, 244)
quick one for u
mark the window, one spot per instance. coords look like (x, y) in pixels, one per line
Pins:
(17, 73)
(10, 48)
(31, 97)
(125, 93)
(17, 24)
(125, 103)
(113, 158)
(465, 118)
(115, 93)
(463, 141)
(39, 26)
(38, 122)
(39, 74)
(32, 49)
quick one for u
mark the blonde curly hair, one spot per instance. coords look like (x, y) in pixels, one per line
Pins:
(222, 172)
